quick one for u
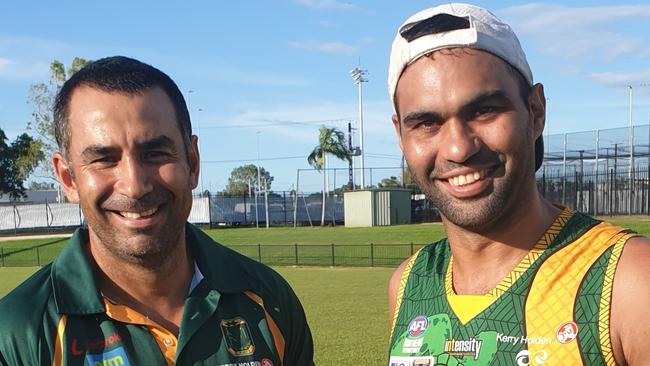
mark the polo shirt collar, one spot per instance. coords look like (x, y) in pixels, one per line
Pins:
(73, 279)
(222, 268)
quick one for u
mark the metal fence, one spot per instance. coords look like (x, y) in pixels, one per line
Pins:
(601, 172)
(370, 255)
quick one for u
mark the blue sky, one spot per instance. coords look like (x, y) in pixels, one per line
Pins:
(257, 67)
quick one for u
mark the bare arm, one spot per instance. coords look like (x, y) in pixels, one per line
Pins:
(630, 311)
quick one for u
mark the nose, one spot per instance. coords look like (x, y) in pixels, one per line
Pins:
(460, 142)
(134, 180)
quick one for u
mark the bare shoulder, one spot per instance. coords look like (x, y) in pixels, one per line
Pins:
(393, 287)
(630, 317)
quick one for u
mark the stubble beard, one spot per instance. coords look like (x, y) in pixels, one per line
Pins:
(149, 248)
(481, 213)
(473, 213)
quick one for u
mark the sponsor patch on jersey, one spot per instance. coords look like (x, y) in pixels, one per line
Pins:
(412, 361)
(238, 337)
(524, 358)
(412, 345)
(418, 326)
(567, 332)
(266, 362)
(116, 357)
(464, 347)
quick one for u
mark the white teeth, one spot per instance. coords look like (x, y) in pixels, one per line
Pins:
(461, 180)
(137, 215)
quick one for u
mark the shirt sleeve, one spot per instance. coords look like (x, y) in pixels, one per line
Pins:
(300, 347)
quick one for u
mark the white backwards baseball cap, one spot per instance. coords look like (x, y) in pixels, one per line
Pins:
(452, 26)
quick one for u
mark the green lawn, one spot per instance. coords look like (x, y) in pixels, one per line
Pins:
(279, 245)
(346, 309)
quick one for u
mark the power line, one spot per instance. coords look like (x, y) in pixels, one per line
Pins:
(252, 159)
(273, 122)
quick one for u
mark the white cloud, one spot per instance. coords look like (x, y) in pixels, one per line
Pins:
(276, 119)
(338, 48)
(328, 24)
(328, 5)
(20, 70)
(573, 33)
(619, 79)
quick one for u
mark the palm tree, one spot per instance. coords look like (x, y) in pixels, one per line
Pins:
(330, 141)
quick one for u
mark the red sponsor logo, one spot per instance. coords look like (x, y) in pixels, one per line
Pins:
(567, 332)
(80, 348)
(266, 362)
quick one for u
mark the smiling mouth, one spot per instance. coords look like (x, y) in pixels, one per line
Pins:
(465, 179)
(137, 215)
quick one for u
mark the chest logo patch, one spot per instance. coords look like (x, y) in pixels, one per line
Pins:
(116, 357)
(418, 326)
(238, 337)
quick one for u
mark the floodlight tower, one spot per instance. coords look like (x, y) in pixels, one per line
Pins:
(358, 75)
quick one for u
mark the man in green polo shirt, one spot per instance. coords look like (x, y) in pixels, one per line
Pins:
(141, 286)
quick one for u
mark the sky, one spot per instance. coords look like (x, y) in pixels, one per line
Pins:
(260, 77)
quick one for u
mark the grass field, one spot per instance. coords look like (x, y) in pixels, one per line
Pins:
(346, 309)
(278, 245)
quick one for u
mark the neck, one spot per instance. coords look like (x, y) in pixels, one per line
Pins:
(482, 258)
(156, 292)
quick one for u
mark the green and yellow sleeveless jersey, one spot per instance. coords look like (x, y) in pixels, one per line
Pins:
(552, 309)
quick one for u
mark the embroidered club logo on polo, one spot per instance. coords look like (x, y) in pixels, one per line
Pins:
(237, 337)
(116, 357)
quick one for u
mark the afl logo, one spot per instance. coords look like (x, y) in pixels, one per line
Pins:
(418, 326)
(567, 332)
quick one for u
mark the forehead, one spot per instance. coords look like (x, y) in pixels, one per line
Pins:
(109, 118)
(451, 75)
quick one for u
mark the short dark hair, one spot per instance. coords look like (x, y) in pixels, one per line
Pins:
(122, 75)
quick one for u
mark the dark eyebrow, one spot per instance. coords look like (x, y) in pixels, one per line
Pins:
(477, 100)
(94, 151)
(415, 117)
(161, 142)
(490, 96)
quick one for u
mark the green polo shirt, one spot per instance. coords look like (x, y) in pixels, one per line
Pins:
(241, 313)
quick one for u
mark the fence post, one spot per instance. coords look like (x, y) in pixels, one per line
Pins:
(209, 209)
(2, 257)
(372, 255)
(333, 261)
(411, 248)
(295, 252)
(47, 218)
(15, 221)
(38, 256)
(259, 252)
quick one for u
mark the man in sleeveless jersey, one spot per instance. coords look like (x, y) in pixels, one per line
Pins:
(141, 286)
(518, 280)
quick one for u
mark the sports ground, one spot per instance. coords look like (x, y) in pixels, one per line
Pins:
(346, 306)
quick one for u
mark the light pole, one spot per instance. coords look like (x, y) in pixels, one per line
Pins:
(189, 112)
(257, 191)
(358, 77)
(198, 134)
(631, 146)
